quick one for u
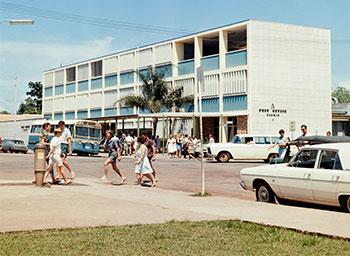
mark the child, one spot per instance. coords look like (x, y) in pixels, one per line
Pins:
(55, 156)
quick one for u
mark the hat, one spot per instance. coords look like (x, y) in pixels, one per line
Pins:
(56, 131)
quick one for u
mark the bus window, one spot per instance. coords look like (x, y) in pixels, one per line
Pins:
(95, 133)
(82, 131)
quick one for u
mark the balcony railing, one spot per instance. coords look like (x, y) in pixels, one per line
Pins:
(210, 62)
(186, 67)
(236, 58)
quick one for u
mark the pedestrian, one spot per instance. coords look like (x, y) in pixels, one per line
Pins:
(185, 146)
(158, 143)
(113, 147)
(54, 157)
(133, 144)
(178, 145)
(190, 149)
(303, 129)
(143, 166)
(151, 152)
(211, 139)
(171, 146)
(281, 143)
(66, 146)
(128, 141)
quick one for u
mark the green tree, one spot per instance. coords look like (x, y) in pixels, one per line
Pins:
(342, 94)
(33, 103)
(156, 96)
(4, 112)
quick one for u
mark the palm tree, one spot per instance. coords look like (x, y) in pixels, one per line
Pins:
(156, 96)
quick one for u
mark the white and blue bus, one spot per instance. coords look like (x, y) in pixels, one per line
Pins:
(86, 135)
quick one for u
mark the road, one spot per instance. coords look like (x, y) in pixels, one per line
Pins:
(173, 174)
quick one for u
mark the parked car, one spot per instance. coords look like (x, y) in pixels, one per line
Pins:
(14, 146)
(245, 147)
(316, 174)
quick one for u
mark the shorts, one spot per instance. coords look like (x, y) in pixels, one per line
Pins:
(64, 150)
(55, 159)
(113, 156)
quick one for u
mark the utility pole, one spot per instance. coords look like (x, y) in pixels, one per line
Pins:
(200, 81)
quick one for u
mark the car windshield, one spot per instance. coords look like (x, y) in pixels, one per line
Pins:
(82, 131)
(19, 142)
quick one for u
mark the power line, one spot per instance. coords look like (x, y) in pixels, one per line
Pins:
(75, 18)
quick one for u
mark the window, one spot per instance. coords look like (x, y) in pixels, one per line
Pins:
(305, 159)
(82, 131)
(262, 140)
(237, 40)
(145, 73)
(330, 160)
(83, 86)
(188, 51)
(96, 112)
(59, 90)
(247, 140)
(48, 92)
(70, 74)
(96, 68)
(70, 88)
(96, 83)
(236, 140)
(127, 78)
(95, 133)
(111, 80)
(70, 115)
(82, 114)
(210, 46)
(166, 70)
(83, 72)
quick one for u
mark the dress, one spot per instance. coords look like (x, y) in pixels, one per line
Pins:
(144, 167)
(171, 146)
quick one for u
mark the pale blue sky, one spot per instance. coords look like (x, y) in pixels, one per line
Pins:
(28, 50)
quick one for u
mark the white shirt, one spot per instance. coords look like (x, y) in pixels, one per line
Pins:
(56, 142)
(65, 135)
(128, 139)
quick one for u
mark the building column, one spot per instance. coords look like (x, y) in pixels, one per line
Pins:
(198, 45)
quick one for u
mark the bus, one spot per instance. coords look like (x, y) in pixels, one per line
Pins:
(86, 135)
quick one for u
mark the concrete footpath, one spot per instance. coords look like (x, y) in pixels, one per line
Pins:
(89, 203)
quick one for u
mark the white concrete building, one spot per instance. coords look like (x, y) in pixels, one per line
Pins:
(18, 127)
(259, 77)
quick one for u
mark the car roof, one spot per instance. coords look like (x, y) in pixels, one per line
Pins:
(343, 149)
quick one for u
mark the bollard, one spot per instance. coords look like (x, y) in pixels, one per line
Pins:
(39, 164)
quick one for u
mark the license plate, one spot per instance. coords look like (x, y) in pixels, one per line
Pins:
(87, 146)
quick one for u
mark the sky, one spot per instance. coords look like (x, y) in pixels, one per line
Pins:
(26, 51)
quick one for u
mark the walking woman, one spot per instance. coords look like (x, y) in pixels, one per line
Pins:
(143, 167)
(171, 147)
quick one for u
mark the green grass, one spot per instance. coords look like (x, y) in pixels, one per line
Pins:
(172, 238)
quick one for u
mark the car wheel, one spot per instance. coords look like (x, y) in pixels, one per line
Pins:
(345, 203)
(10, 150)
(223, 157)
(264, 193)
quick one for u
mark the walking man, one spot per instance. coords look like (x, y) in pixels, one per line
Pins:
(113, 147)
(66, 146)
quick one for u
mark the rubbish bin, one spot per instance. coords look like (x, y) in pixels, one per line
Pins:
(39, 164)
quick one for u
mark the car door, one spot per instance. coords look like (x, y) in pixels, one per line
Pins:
(244, 150)
(325, 178)
(294, 179)
(262, 144)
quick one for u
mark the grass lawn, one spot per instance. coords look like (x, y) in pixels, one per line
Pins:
(173, 238)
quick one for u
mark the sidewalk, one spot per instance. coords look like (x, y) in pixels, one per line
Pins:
(91, 203)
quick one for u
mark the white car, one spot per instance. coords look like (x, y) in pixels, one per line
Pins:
(316, 174)
(245, 147)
